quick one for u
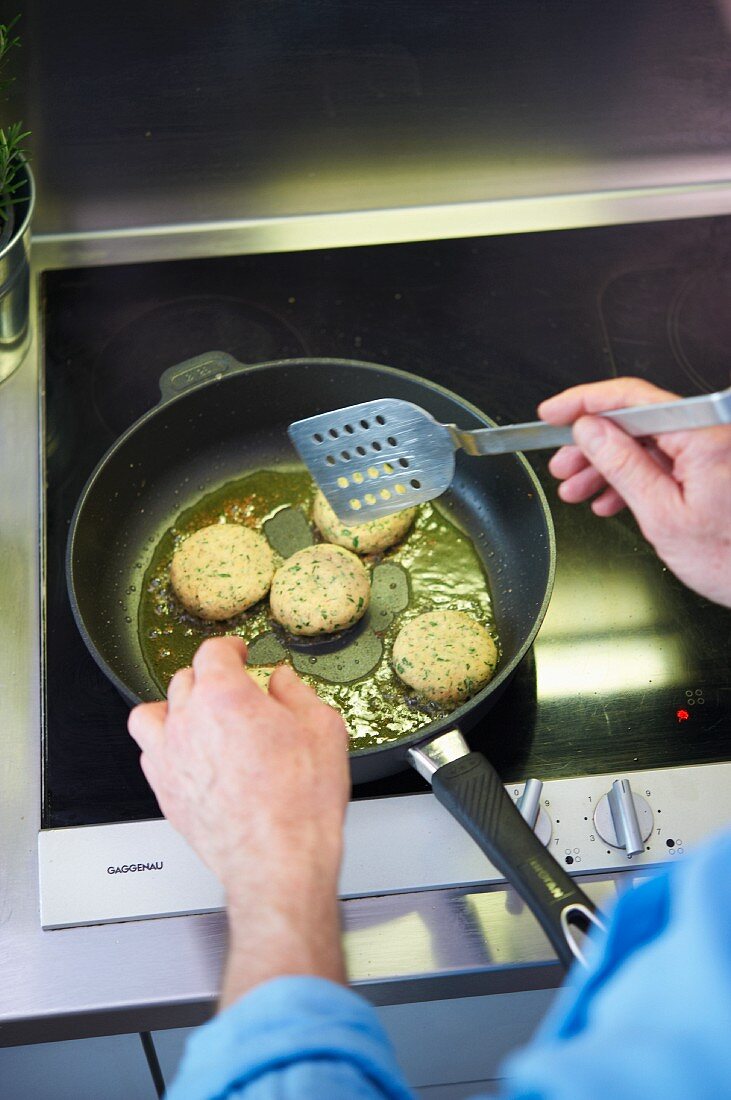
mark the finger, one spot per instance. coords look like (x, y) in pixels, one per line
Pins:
(662, 457)
(152, 775)
(220, 675)
(626, 466)
(287, 688)
(581, 486)
(598, 397)
(566, 462)
(180, 687)
(149, 770)
(145, 723)
(220, 657)
(608, 503)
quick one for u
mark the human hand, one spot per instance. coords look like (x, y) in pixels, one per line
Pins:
(258, 784)
(678, 485)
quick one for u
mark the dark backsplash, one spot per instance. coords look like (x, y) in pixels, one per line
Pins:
(166, 113)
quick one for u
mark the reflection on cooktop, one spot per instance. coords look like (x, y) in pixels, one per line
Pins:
(178, 330)
(700, 327)
(669, 323)
(504, 322)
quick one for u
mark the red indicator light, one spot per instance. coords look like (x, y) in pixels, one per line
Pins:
(682, 715)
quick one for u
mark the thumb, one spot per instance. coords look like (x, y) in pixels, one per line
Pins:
(625, 465)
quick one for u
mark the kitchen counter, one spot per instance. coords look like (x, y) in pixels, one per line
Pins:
(164, 973)
(609, 144)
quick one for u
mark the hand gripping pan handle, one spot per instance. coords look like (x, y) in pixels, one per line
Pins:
(469, 787)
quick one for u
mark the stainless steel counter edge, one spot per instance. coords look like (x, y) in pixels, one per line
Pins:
(692, 197)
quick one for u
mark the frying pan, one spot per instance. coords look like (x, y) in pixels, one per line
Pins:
(218, 419)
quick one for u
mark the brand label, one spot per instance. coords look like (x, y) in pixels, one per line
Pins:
(553, 888)
(127, 868)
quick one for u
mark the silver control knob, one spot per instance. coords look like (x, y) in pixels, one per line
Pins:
(623, 819)
(532, 812)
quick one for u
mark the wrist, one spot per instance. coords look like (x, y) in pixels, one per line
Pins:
(282, 939)
(284, 881)
(283, 927)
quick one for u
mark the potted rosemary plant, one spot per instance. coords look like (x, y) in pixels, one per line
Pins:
(16, 207)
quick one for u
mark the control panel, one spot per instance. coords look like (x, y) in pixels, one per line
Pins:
(622, 819)
(590, 824)
(624, 822)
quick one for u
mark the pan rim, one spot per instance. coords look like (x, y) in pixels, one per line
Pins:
(432, 729)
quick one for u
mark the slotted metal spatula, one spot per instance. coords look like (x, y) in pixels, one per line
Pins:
(381, 456)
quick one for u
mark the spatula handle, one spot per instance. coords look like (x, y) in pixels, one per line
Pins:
(640, 420)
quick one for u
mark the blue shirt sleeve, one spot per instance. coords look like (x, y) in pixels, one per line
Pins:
(291, 1039)
(650, 1019)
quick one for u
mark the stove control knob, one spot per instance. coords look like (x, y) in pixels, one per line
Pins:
(623, 819)
(532, 812)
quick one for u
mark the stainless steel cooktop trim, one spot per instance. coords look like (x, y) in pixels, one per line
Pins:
(302, 232)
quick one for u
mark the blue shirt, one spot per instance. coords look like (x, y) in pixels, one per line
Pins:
(650, 1019)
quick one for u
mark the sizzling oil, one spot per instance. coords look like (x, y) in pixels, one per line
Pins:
(444, 572)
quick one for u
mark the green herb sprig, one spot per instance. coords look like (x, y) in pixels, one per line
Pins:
(12, 137)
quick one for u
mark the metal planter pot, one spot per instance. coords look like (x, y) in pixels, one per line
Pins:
(15, 281)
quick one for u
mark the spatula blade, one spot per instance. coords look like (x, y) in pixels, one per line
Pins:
(375, 458)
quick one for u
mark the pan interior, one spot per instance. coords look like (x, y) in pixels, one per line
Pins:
(434, 566)
(224, 430)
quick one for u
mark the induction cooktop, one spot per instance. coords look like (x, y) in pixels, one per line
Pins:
(630, 669)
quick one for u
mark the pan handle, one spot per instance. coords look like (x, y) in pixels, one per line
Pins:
(470, 788)
(193, 372)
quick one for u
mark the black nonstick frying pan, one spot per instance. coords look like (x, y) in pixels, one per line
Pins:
(219, 419)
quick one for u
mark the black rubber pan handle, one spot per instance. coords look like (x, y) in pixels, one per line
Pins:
(193, 372)
(472, 791)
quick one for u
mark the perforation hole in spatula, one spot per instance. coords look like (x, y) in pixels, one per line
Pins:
(396, 456)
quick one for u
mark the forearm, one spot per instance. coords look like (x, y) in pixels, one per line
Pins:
(284, 928)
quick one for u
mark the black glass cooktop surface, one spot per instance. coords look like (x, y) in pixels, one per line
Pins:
(630, 669)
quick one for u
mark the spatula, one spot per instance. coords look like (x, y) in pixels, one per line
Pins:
(381, 456)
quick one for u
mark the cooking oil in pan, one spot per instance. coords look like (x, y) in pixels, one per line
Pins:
(435, 566)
